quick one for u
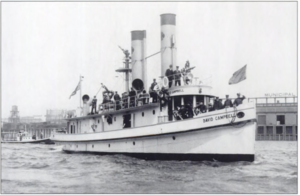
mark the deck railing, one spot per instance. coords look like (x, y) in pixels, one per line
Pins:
(277, 137)
(275, 101)
(126, 103)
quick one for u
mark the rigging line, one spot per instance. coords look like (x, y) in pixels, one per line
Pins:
(152, 55)
(133, 64)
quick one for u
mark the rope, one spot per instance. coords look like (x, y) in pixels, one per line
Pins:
(233, 118)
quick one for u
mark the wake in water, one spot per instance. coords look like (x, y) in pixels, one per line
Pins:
(47, 169)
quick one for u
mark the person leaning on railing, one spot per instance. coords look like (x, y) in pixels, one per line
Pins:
(145, 96)
(228, 102)
(153, 93)
(238, 100)
(217, 104)
(132, 95)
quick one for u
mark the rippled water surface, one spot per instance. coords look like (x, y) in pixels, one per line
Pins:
(30, 168)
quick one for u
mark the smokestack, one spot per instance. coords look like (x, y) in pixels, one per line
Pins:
(138, 47)
(168, 44)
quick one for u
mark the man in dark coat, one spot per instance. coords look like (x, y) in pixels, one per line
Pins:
(132, 95)
(152, 92)
(217, 104)
(220, 104)
(189, 110)
(177, 75)
(117, 99)
(228, 102)
(169, 74)
(238, 100)
(94, 105)
(153, 85)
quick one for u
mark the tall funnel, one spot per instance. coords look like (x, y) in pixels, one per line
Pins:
(138, 47)
(168, 43)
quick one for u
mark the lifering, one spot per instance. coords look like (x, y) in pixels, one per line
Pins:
(165, 82)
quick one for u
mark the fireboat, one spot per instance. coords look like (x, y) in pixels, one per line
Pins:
(165, 124)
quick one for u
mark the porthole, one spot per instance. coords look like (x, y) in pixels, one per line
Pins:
(109, 145)
(174, 137)
(240, 114)
(142, 113)
(153, 112)
(133, 143)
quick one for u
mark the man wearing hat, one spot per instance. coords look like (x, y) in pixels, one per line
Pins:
(169, 74)
(177, 75)
(217, 105)
(117, 99)
(132, 97)
(238, 100)
(152, 92)
(94, 105)
(228, 102)
(153, 85)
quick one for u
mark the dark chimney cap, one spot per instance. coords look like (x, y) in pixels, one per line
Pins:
(168, 19)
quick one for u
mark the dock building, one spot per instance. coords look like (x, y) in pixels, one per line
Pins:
(277, 118)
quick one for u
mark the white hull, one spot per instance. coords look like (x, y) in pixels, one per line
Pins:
(206, 137)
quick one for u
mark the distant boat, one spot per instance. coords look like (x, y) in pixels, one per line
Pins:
(23, 137)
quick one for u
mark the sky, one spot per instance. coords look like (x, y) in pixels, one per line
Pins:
(46, 46)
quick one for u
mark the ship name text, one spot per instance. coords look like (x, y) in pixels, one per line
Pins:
(220, 117)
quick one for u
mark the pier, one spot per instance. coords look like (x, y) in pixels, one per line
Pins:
(276, 118)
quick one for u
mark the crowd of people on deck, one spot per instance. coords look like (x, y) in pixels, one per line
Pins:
(136, 98)
(177, 74)
(187, 111)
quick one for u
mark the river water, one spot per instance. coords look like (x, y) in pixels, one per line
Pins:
(30, 168)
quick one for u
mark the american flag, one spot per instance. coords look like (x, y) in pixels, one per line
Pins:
(76, 89)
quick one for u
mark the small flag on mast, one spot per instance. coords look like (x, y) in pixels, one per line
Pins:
(76, 89)
(238, 76)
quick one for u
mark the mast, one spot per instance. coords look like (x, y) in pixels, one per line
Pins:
(80, 90)
(126, 69)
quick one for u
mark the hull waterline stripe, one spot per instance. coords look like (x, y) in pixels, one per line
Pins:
(175, 156)
(199, 129)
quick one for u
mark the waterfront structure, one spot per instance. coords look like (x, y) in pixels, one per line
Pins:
(31, 119)
(276, 118)
(58, 116)
(55, 116)
(14, 115)
(30, 132)
(31, 129)
(165, 129)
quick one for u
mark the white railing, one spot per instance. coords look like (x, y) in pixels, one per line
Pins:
(129, 102)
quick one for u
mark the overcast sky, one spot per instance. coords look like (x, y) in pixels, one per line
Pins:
(47, 45)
